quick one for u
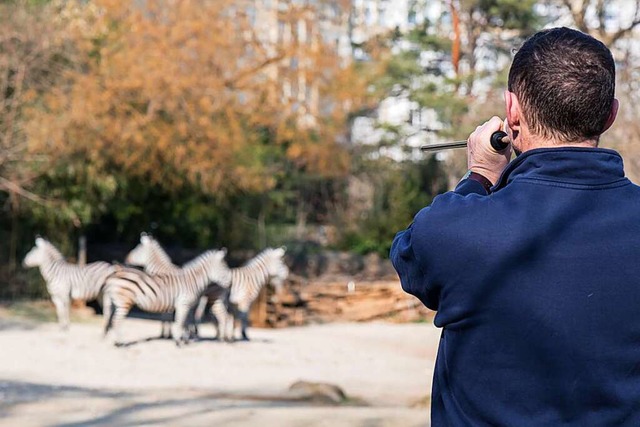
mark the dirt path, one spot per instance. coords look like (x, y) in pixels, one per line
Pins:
(52, 378)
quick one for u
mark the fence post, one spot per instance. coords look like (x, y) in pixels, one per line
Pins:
(82, 261)
(82, 250)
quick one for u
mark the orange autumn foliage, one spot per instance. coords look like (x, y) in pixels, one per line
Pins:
(196, 93)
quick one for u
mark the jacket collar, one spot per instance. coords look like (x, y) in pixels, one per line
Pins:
(571, 165)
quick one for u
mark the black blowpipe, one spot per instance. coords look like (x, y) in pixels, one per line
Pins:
(499, 141)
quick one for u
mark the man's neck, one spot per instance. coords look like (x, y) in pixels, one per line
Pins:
(529, 142)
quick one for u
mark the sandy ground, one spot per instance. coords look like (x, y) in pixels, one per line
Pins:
(75, 378)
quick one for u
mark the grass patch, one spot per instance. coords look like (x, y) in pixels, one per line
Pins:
(42, 311)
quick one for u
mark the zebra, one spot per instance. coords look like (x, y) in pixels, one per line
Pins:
(66, 281)
(177, 292)
(246, 283)
(149, 255)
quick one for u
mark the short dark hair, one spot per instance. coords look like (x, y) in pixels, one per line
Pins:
(565, 83)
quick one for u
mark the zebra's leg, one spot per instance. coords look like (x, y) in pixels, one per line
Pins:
(199, 312)
(234, 320)
(119, 315)
(220, 318)
(178, 327)
(107, 313)
(67, 313)
(217, 326)
(192, 324)
(61, 312)
(201, 308)
(231, 316)
(244, 319)
(218, 321)
(243, 315)
(165, 325)
(162, 325)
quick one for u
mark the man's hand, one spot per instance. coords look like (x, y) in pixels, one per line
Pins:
(481, 157)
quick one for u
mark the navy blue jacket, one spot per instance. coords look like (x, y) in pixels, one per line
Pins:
(537, 289)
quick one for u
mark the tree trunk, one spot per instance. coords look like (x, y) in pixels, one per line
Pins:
(13, 241)
(262, 230)
(301, 219)
(82, 250)
(455, 50)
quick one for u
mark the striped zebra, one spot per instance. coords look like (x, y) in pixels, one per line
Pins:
(246, 283)
(177, 292)
(149, 255)
(66, 281)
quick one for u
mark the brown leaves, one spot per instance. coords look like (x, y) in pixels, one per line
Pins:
(34, 53)
(175, 91)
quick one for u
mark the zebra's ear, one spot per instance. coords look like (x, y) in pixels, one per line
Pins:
(145, 239)
(224, 252)
(39, 241)
(280, 251)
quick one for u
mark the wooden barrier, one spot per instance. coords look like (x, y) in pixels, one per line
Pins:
(342, 302)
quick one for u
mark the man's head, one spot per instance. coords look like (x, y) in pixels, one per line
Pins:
(561, 90)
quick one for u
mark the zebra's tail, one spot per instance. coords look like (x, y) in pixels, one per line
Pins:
(108, 312)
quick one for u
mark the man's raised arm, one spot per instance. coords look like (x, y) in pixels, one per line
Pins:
(410, 251)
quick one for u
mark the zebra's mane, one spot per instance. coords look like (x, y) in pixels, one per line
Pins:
(266, 256)
(202, 261)
(159, 256)
(50, 250)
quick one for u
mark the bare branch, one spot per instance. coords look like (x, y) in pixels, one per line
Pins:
(578, 14)
(600, 12)
(12, 187)
(232, 83)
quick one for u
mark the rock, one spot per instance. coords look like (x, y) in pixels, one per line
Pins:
(317, 392)
(376, 268)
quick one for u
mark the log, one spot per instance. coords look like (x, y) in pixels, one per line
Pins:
(326, 302)
(258, 314)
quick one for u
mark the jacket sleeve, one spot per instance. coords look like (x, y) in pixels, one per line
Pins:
(408, 256)
(412, 274)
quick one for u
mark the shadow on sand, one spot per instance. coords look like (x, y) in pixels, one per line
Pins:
(58, 406)
(192, 342)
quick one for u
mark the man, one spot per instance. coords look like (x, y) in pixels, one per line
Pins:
(533, 266)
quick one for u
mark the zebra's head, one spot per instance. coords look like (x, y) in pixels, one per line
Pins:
(150, 255)
(278, 270)
(42, 253)
(217, 269)
(141, 254)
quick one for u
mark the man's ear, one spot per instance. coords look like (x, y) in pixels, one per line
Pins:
(612, 115)
(513, 111)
